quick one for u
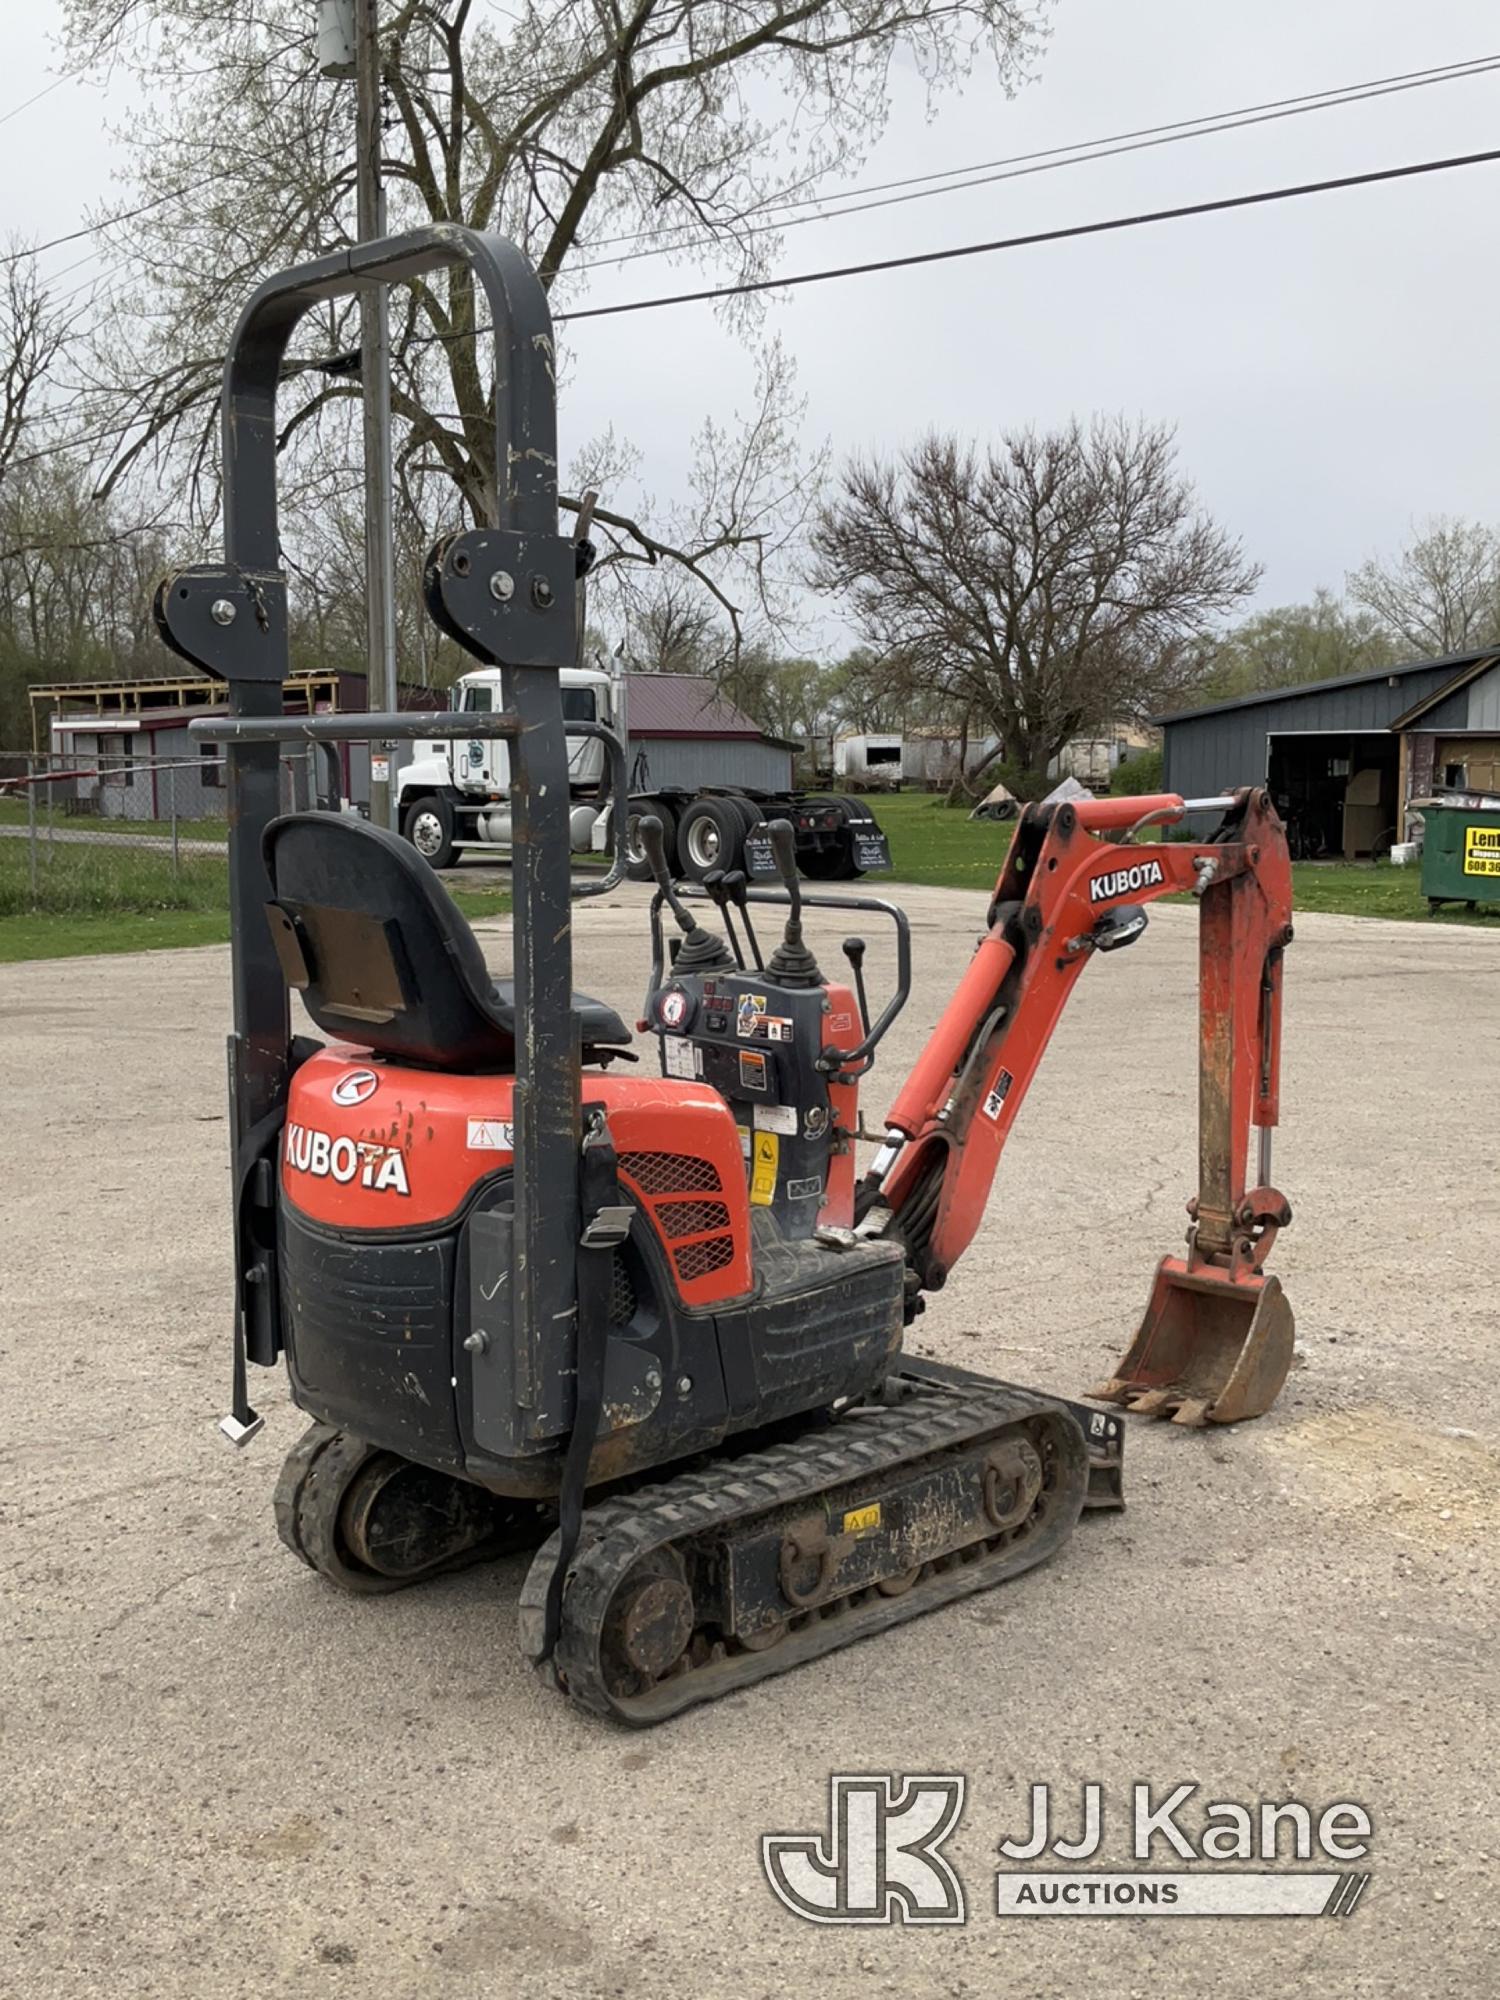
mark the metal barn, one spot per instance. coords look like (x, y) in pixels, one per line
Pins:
(1345, 758)
(683, 732)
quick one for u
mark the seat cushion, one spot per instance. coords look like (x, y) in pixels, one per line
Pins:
(369, 936)
(600, 1027)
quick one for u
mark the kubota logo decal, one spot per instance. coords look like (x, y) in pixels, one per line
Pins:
(1123, 881)
(344, 1160)
(355, 1086)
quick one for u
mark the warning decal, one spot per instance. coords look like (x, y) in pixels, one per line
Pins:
(994, 1103)
(681, 1058)
(749, 1015)
(752, 1070)
(1482, 850)
(764, 1160)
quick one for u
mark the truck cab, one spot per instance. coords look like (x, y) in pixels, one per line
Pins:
(455, 796)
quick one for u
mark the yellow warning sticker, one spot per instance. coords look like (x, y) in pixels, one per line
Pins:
(1482, 850)
(764, 1161)
(859, 1520)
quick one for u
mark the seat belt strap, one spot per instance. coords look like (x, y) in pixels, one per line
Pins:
(606, 1224)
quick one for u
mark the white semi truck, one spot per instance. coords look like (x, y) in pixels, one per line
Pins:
(454, 798)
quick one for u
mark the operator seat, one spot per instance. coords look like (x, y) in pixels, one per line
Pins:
(382, 954)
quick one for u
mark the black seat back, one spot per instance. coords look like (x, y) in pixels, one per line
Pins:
(378, 949)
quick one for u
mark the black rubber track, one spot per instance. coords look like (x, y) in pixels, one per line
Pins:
(732, 1496)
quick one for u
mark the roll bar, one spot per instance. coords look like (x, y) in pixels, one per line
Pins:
(507, 593)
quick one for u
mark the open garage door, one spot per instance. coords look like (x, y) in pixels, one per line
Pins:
(1337, 791)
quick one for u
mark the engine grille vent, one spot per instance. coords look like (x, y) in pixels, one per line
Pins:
(677, 1190)
(690, 1218)
(621, 1293)
(670, 1173)
(696, 1260)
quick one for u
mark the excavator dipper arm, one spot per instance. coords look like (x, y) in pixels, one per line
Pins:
(1218, 1330)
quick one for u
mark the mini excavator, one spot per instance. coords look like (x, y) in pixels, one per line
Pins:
(649, 1327)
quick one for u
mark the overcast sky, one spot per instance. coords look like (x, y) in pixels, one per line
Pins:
(1329, 363)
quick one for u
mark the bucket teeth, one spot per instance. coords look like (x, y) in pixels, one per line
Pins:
(1154, 1403)
(1192, 1412)
(1209, 1350)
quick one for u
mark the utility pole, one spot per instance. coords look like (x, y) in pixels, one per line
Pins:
(375, 375)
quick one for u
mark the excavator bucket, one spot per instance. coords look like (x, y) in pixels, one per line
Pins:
(1210, 1350)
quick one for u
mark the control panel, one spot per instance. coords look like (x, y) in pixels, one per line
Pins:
(758, 1045)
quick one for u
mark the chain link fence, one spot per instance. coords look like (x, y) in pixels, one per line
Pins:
(122, 831)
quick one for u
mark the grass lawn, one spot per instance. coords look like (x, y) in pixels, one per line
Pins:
(943, 847)
(13, 812)
(53, 934)
(91, 897)
(46, 934)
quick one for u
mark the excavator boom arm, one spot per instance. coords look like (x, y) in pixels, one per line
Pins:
(1072, 886)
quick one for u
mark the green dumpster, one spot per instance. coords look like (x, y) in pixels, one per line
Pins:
(1461, 854)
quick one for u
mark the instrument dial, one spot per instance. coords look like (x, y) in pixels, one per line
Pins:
(674, 1010)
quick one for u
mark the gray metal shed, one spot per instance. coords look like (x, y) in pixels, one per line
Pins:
(1342, 756)
(684, 732)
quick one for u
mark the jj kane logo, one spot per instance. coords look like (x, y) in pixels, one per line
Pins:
(880, 1861)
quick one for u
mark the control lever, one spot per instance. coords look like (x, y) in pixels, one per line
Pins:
(736, 887)
(700, 950)
(854, 951)
(714, 882)
(791, 964)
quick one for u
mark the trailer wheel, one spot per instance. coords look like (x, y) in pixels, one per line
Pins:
(637, 867)
(750, 812)
(428, 825)
(711, 835)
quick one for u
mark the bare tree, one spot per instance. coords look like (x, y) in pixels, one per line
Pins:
(675, 631)
(75, 574)
(590, 131)
(789, 698)
(75, 585)
(1054, 581)
(33, 333)
(1441, 594)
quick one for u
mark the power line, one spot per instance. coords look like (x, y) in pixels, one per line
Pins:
(1079, 152)
(46, 91)
(98, 228)
(1118, 222)
(1020, 165)
(1113, 224)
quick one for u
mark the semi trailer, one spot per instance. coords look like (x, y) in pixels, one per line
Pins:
(454, 798)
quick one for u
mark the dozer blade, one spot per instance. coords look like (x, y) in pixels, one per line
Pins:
(1210, 1349)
